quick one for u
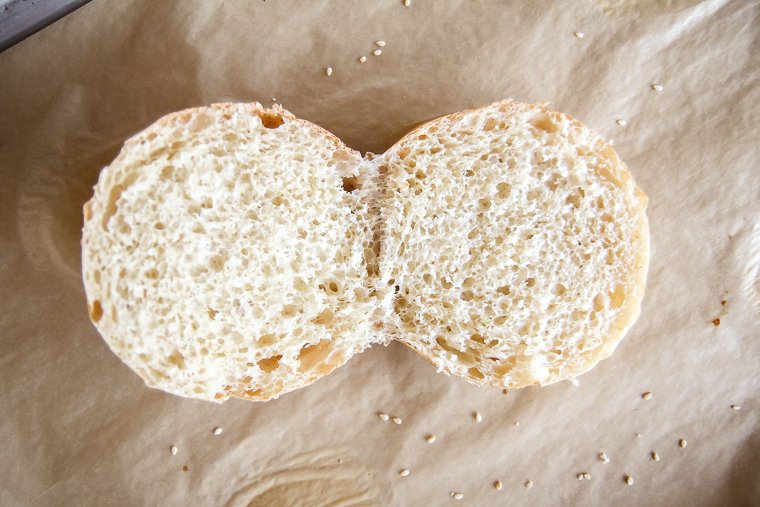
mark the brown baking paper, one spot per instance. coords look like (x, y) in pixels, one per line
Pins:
(79, 428)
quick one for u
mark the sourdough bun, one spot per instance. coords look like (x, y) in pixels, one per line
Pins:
(517, 242)
(226, 250)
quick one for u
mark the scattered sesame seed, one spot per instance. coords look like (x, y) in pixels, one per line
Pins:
(736, 407)
(430, 438)
(657, 87)
(655, 456)
(218, 430)
(397, 420)
(383, 416)
(407, 3)
(380, 43)
(497, 485)
(639, 435)
(579, 35)
(173, 449)
(377, 52)
(477, 416)
(404, 472)
(621, 122)
(682, 443)
(603, 457)
(528, 484)
(328, 71)
(647, 395)
(629, 480)
(362, 59)
(457, 495)
(517, 423)
(274, 99)
(587, 476)
(340, 461)
(580, 477)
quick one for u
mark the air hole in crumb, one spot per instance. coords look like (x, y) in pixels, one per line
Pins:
(505, 290)
(530, 282)
(428, 278)
(485, 203)
(617, 297)
(177, 360)
(266, 340)
(159, 226)
(350, 184)
(313, 355)
(325, 318)
(544, 123)
(271, 120)
(560, 289)
(599, 303)
(477, 338)
(277, 201)
(445, 345)
(269, 364)
(475, 373)
(96, 311)
(500, 320)
(467, 296)
(490, 124)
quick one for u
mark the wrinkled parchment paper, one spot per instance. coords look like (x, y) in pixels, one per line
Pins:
(79, 428)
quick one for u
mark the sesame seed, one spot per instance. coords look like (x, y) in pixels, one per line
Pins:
(340, 461)
(362, 59)
(603, 457)
(579, 35)
(404, 472)
(497, 485)
(173, 449)
(736, 407)
(397, 420)
(657, 87)
(621, 122)
(517, 423)
(218, 430)
(477, 416)
(430, 439)
(383, 416)
(377, 52)
(528, 484)
(629, 480)
(639, 435)
(587, 476)
(407, 3)
(647, 395)
(655, 456)
(380, 43)
(458, 496)
(580, 477)
(682, 443)
(328, 71)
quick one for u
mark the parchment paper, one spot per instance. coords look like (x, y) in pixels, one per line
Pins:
(79, 428)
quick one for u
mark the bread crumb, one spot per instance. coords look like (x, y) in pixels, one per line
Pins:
(397, 420)
(185, 468)
(477, 416)
(497, 485)
(603, 457)
(716, 321)
(682, 443)
(362, 59)
(173, 449)
(655, 456)
(380, 43)
(377, 52)
(404, 472)
(629, 480)
(528, 484)
(383, 416)
(736, 407)
(647, 395)
(218, 430)
(621, 122)
(505, 391)
(328, 71)
(579, 34)
(430, 438)
(657, 87)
